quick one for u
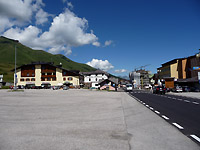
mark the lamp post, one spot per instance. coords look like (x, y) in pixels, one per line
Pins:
(15, 78)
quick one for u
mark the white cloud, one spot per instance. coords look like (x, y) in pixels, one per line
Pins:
(5, 23)
(18, 12)
(103, 65)
(64, 1)
(41, 17)
(66, 31)
(97, 44)
(107, 43)
(69, 4)
(120, 71)
(28, 36)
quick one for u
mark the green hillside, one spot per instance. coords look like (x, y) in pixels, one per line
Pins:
(26, 55)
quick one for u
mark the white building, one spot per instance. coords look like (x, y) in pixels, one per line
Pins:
(91, 79)
(1, 78)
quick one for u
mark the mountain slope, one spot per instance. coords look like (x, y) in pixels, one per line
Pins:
(26, 55)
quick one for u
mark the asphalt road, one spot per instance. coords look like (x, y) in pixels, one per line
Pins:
(181, 112)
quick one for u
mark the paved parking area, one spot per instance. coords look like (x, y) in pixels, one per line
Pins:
(83, 120)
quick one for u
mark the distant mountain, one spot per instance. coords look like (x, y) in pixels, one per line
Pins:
(124, 77)
(26, 55)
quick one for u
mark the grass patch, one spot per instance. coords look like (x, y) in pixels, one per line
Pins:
(15, 90)
(5, 87)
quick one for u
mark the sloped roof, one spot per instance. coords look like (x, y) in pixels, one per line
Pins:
(98, 71)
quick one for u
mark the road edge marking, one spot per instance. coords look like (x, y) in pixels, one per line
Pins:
(195, 137)
(178, 126)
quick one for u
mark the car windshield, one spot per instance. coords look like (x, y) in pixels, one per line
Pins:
(129, 85)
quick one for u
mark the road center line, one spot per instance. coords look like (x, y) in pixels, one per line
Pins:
(195, 137)
(147, 105)
(165, 117)
(178, 126)
(195, 103)
(187, 101)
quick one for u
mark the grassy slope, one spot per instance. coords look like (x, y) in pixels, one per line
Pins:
(26, 55)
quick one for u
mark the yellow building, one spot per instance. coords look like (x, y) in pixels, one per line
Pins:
(173, 69)
(39, 74)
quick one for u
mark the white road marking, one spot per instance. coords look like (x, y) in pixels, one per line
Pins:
(151, 108)
(147, 105)
(195, 137)
(178, 126)
(157, 112)
(187, 101)
(168, 97)
(165, 117)
(180, 99)
(173, 98)
(195, 103)
(144, 103)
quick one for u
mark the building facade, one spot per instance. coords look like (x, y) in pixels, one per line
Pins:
(173, 69)
(40, 73)
(91, 79)
(1, 78)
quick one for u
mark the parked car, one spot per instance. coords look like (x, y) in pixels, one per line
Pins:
(177, 89)
(186, 89)
(65, 87)
(159, 90)
(194, 89)
(21, 86)
(55, 87)
(129, 87)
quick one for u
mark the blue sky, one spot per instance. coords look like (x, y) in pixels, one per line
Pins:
(138, 32)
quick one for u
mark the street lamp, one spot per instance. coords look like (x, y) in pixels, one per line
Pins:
(198, 54)
(15, 78)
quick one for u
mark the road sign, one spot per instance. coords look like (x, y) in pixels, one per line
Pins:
(196, 68)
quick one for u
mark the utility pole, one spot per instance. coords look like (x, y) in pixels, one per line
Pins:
(15, 78)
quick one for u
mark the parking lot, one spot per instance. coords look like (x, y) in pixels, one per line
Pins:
(82, 120)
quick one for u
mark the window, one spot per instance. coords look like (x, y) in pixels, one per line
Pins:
(54, 79)
(64, 73)
(89, 79)
(27, 74)
(43, 73)
(96, 79)
(49, 74)
(22, 79)
(33, 68)
(48, 79)
(64, 79)
(70, 79)
(42, 79)
(32, 79)
(54, 73)
(33, 74)
(27, 79)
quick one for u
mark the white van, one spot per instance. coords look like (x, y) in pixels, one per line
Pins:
(129, 87)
